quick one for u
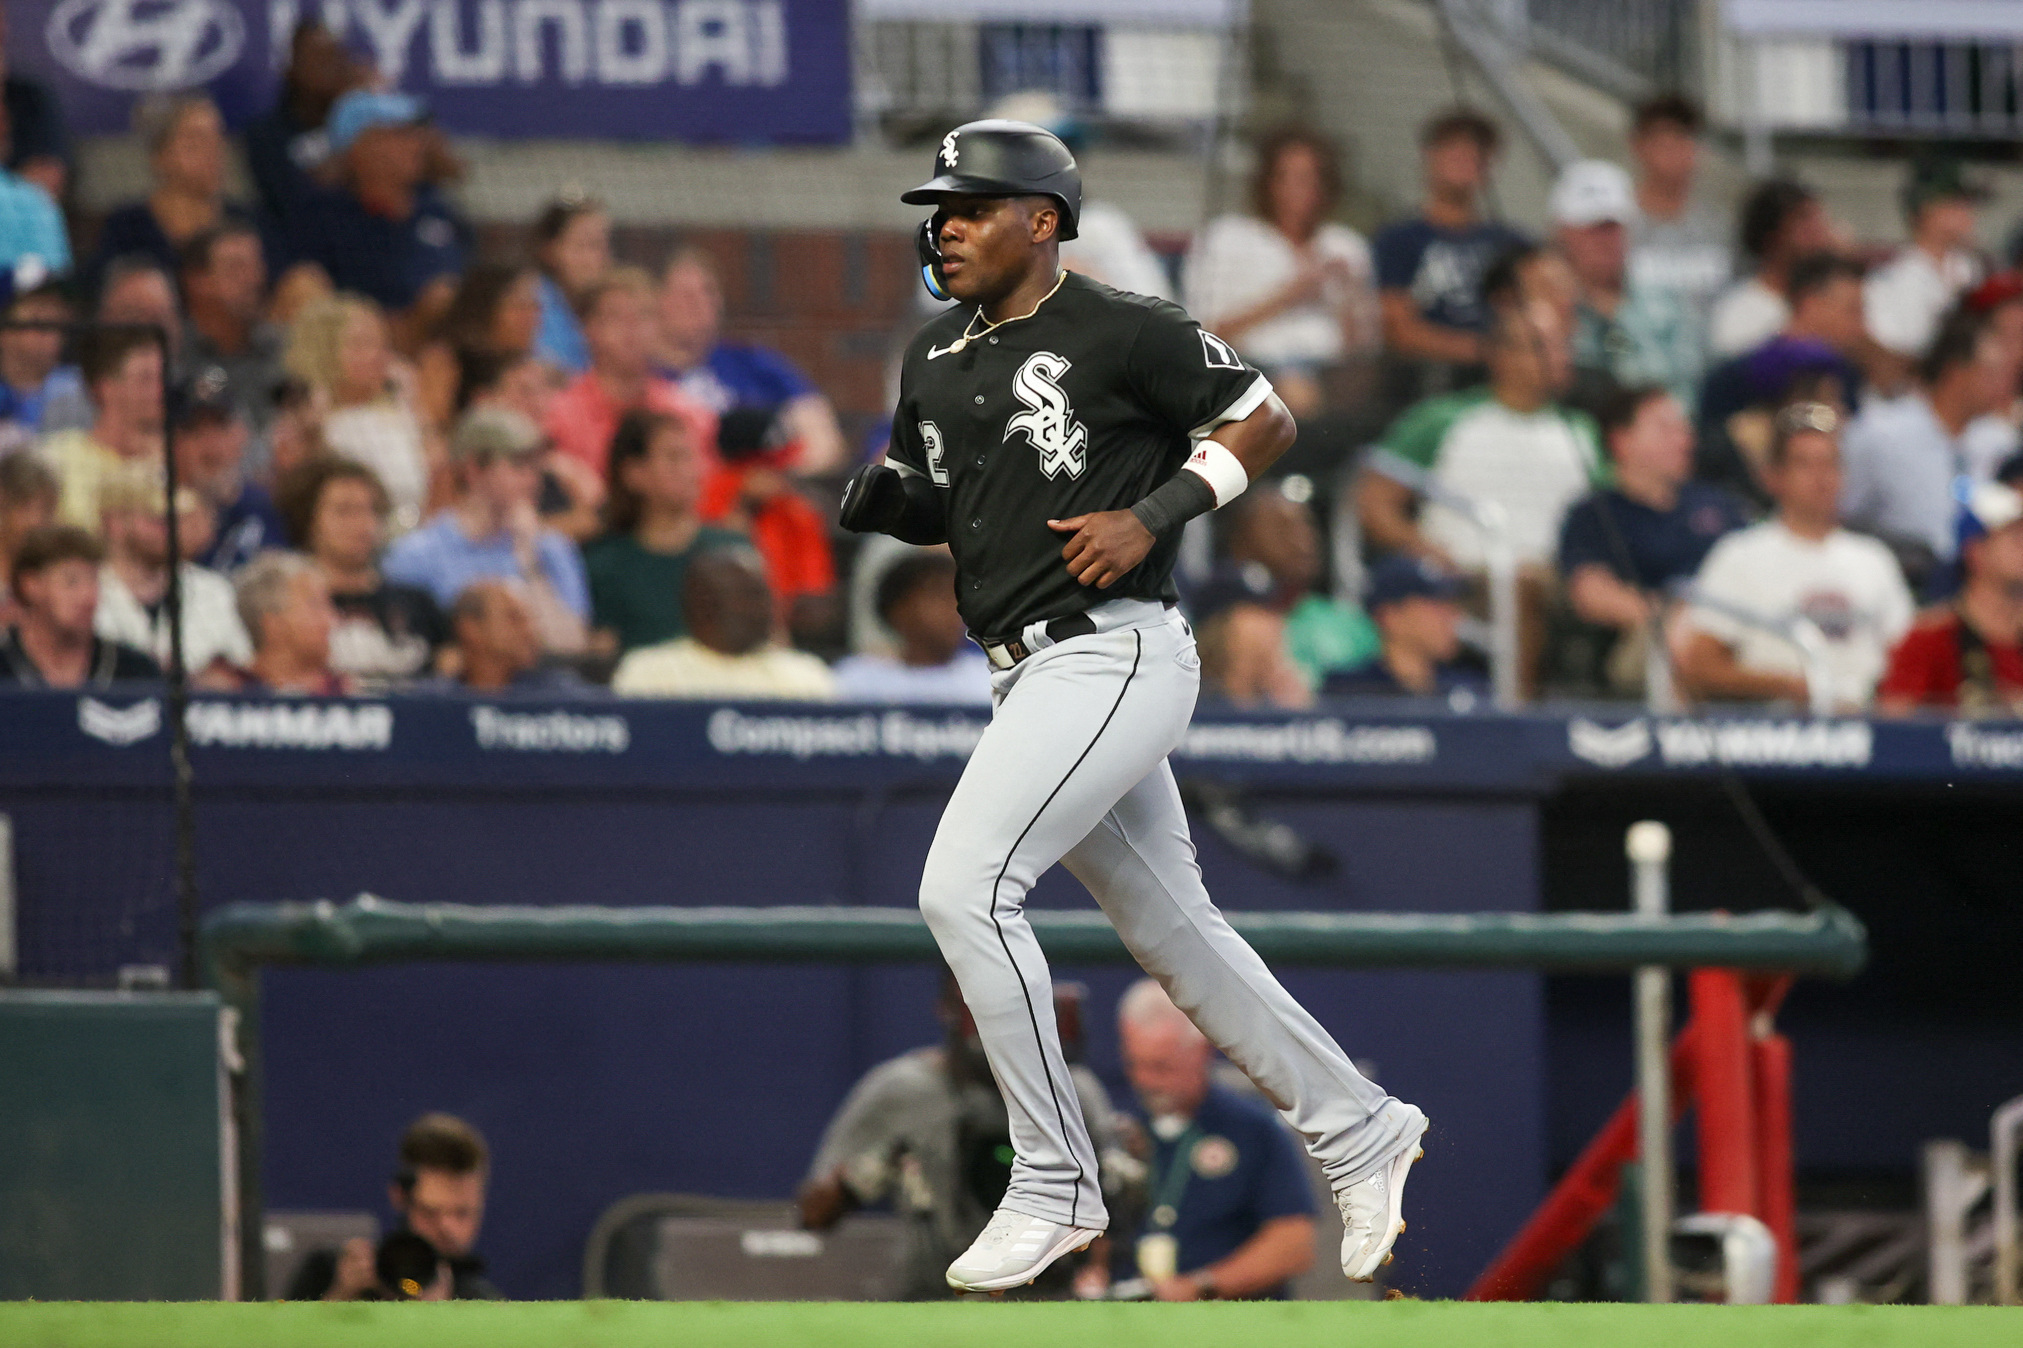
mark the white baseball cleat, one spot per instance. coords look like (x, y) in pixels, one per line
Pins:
(1013, 1250)
(1372, 1210)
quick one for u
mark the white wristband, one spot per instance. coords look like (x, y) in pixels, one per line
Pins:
(1220, 469)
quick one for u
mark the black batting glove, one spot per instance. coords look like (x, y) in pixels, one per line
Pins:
(874, 500)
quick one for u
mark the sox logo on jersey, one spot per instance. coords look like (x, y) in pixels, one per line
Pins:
(1049, 420)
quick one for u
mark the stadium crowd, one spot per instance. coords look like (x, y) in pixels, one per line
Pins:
(1741, 456)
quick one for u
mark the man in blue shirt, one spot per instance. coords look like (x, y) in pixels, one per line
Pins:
(1430, 267)
(1229, 1211)
(731, 376)
(384, 233)
(1416, 604)
(1625, 548)
(494, 533)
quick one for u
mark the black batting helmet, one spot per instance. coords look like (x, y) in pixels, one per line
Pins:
(1004, 159)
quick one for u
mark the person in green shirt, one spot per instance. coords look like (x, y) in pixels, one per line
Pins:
(636, 567)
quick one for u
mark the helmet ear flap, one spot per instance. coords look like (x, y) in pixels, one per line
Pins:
(927, 244)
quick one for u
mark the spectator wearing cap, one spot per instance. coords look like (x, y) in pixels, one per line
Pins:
(134, 582)
(187, 156)
(736, 376)
(1679, 246)
(210, 451)
(340, 348)
(572, 246)
(1628, 548)
(1906, 458)
(653, 531)
(1905, 297)
(34, 243)
(224, 276)
(287, 145)
(1430, 267)
(1966, 657)
(39, 148)
(1819, 344)
(936, 661)
(285, 604)
(1291, 289)
(384, 232)
(752, 491)
(1623, 334)
(495, 648)
(1782, 221)
(51, 643)
(39, 394)
(386, 634)
(494, 531)
(28, 495)
(1416, 604)
(1741, 633)
(618, 328)
(729, 651)
(122, 374)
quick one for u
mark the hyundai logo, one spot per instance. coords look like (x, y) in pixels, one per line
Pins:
(146, 45)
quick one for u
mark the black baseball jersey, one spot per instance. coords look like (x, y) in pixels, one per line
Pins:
(1088, 405)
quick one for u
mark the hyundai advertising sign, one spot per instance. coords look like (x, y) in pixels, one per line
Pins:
(741, 71)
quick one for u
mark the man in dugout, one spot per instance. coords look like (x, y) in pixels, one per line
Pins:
(927, 1132)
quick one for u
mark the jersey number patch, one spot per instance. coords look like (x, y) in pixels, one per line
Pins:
(1218, 353)
(930, 436)
(1049, 419)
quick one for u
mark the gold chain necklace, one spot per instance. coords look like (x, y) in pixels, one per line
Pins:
(988, 328)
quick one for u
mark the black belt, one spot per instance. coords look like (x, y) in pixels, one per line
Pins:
(1008, 652)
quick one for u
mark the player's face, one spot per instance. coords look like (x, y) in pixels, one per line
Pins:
(987, 244)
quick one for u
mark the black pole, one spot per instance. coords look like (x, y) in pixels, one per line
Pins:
(181, 799)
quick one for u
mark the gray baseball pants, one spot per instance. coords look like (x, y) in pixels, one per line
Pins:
(1073, 769)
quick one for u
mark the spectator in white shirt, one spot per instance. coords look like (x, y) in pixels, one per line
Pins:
(1907, 457)
(339, 347)
(1290, 289)
(134, 582)
(936, 661)
(1782, 221)
(1905, 298)
(1796, 570)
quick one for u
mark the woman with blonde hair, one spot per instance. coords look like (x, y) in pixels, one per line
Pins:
(339, 348)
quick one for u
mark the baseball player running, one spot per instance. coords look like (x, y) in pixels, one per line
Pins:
(1057, 435)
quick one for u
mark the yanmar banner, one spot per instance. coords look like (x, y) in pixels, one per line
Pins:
(739, 71)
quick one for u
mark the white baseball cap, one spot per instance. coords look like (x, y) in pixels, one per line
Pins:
(1995, 506)
(1591, 191)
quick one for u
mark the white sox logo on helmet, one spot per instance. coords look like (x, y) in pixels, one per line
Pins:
(1049, 420)
(948, 151)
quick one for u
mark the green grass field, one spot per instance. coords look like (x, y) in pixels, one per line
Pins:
(613, 1324)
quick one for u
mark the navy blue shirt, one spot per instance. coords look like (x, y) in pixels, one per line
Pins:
(388, 261)
(1442, 268)
(1461, 687)
(1246, 1171)
(734, 376)
(1664, 546)
(246, 528)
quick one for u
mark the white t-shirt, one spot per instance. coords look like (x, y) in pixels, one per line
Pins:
(1239, 260)
(1848, 585)
(1532, 464)
(964, 680)
(1108, 247)
(1747, 315)
(211, 626)
(1903, 300)
(385, 437)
